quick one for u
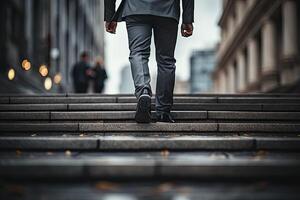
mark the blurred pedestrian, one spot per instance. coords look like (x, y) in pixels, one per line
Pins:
(99, 76)
(81, 73)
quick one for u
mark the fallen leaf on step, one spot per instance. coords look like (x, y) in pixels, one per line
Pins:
(260, 155)
(105, 186)
(165, 187)
(49, 153)
(68, 153)
(263, 185)
(17, 190)
(184, 190)
(18, 152)
(33, 135)
(165, 153)
(82, 135)
(218, 156)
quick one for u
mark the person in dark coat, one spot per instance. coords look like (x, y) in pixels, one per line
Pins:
(80, 73)
(100, 76)
(145, 18)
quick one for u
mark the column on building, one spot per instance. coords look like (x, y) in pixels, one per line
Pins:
(253, 64)
(223, 81)
(231, 78)
(224, 36)
(269, 68)
(216, 85)
(231, 26)
(241, 71)
(240, 10)
(290, 42)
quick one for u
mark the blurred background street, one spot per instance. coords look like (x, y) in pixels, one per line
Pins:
(238, 47)
(42, 40)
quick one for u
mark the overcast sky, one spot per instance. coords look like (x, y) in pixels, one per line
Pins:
(206, 35)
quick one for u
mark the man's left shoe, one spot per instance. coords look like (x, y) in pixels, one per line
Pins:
(143, 110)
(165, 118)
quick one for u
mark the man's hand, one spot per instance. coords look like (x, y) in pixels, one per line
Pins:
(111, 27)
(187, 30)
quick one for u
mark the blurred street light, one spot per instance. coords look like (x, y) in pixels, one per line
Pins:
(57, 79)
(48, 83)
(54, 53)
(43, 70)
(11, 74)
(26, 65)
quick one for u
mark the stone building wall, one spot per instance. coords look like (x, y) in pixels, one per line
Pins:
(259, 51)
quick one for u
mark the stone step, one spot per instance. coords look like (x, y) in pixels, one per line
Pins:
(258, 100)
(196, 128)
(261, 116)
(102, 115)
(212, 99)
(258, 127)
(193, 95)
(126, 99)
(4, 100)
(33, 107)
(131, 95)
(61, 100)
(5, 97)
(176, 107)
(190, 107)
(129, 115)
(150, 165)
(125, 143)
(143, 189)
(50, 143)
(132, 107)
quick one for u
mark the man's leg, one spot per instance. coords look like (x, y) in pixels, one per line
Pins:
(139, 35)
(165, 36)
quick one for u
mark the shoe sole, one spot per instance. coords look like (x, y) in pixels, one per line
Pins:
(143, 109)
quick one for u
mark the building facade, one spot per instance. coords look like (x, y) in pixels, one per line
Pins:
(181, 86)
(202, 65)
(126, 84)
(259, 51)
(49, 33)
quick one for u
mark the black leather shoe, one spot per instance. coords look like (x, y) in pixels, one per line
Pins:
(143, 109)
(165, 118)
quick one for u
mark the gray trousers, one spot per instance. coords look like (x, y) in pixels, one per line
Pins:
(140, 28)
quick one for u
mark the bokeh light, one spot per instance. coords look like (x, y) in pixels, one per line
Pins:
(26, 65)
(43, 70)
(11, 74)
(48, 83)
(57, 78)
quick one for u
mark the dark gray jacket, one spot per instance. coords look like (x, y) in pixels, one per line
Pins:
(163, 8)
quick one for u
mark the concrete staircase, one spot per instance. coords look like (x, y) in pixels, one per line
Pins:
(222, 147)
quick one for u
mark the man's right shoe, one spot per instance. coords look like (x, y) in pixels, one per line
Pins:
(143, 109)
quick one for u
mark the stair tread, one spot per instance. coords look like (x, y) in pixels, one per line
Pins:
(140, 190)
(149, 142)
(132, 107)
(129, 115)
(132, 99)
(153, 127)
(130, 165)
